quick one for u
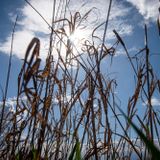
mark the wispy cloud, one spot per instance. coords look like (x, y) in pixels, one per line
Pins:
(147, 8)
(121, 51)
(12, 101)
(31, 24)
(10, 104)
(21, 39)
(154, 101)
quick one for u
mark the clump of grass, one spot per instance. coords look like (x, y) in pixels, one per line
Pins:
(61, 116)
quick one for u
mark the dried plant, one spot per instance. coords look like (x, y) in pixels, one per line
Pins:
(62, 115)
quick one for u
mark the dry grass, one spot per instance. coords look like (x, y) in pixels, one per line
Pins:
(59, 116)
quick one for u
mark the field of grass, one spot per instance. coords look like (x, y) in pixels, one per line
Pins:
(60, 114)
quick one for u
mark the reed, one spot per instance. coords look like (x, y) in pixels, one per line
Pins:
(62, 115)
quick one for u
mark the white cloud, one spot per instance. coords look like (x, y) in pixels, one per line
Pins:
(10, 104)
(32, 21)
(32, 24)
(121, 51)
(10, 101)
(21, 40)
(147, 8)
(154, 101)
(10, 107)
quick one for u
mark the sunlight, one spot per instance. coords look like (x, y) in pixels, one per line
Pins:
(78, 36)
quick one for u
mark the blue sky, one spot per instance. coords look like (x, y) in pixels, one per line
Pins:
(127, 17)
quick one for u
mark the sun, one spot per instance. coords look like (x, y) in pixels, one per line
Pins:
(78, 36)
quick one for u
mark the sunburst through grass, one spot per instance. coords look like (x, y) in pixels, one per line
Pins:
(66, 117)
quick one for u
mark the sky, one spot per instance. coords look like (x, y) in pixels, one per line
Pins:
(127, 17)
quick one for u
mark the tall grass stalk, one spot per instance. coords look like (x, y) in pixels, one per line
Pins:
(60, 114)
